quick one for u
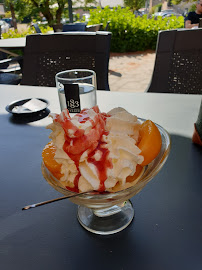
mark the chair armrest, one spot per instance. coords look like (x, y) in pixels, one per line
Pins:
(11, 60)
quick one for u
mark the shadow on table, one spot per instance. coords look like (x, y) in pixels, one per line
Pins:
(167, 220)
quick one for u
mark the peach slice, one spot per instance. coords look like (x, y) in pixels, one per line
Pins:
(136, 175)
(149, 142)
(51, 164)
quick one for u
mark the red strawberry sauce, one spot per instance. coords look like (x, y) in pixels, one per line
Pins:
(78, 142)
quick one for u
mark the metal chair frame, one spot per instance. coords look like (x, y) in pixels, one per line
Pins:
(10, 70)
(36, 27)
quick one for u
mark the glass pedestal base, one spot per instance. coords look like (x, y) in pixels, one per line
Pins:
(106, 221)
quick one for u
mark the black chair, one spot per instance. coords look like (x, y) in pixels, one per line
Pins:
(107, 26)
(72, 27)
(94, 27)
(57, 27)
(46, 55)
(10, 70)
(178, 63)
(36, 27)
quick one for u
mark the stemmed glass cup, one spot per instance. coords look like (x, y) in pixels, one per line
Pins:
(112, 212)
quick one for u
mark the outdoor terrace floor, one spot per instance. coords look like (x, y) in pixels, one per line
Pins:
(131, 72)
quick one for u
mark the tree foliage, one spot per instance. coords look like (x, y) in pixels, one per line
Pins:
(130, 33)
(177, 2)
(52, 10)
(10, 4)
(134, 4)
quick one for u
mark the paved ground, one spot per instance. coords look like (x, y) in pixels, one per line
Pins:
(131, 72)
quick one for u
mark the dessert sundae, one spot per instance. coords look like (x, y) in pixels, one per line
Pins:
(100, 151)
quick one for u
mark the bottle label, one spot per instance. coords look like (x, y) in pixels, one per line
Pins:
(72, 97)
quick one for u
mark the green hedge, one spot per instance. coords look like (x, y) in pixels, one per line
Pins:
(130, 33)
(15, 34)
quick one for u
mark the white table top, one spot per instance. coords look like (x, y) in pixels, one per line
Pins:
(13, 42)
(175, 112)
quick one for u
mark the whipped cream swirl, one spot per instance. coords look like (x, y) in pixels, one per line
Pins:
(97, 151)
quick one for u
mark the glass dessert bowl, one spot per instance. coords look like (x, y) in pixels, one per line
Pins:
(107, 213)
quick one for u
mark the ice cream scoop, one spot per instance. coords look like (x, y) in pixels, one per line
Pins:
(96, 151)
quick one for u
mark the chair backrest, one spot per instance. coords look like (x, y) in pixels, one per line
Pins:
(178, 63)
(36, 27)
(46, 55)
(94, 27)
(107, 26)
(57, 27)
(72, 27)
(200, 23)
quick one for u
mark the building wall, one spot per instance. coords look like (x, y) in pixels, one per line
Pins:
(2, 10)
(110, 3)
